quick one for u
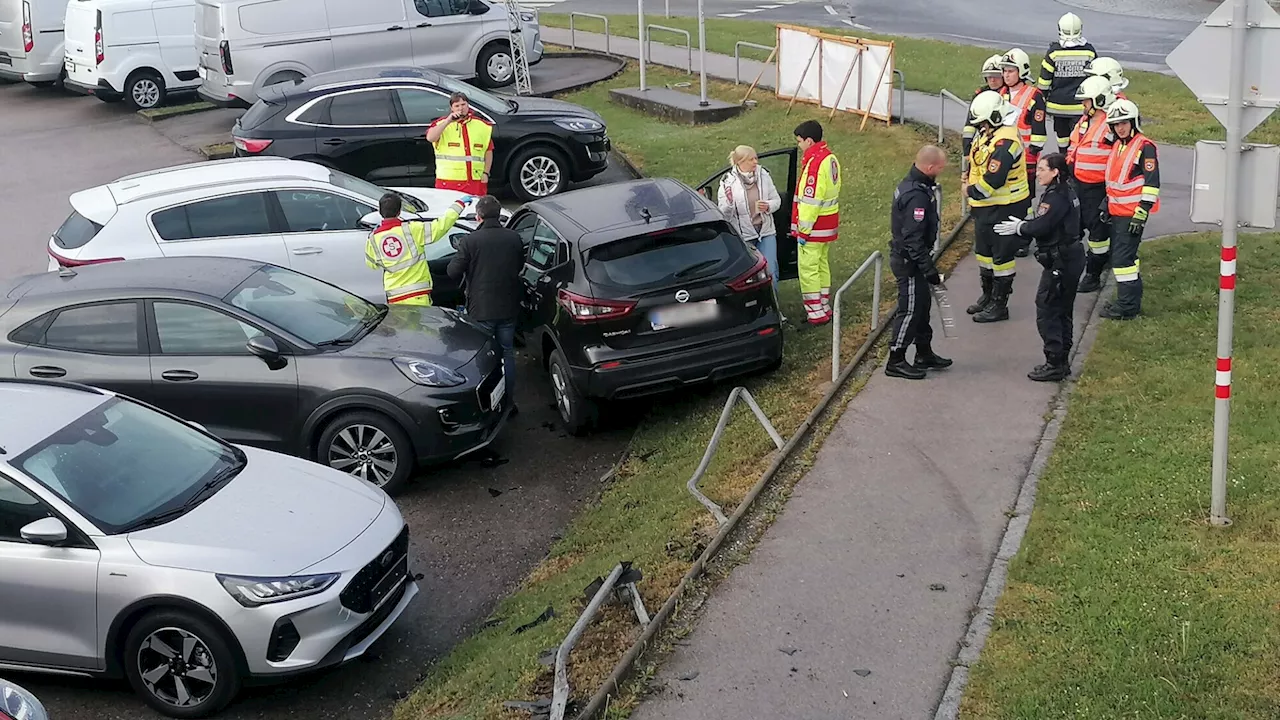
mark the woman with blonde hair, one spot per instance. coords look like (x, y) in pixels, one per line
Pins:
(748, 199)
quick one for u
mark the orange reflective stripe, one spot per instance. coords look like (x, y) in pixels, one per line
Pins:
(1125, 182)
(1022, 99)
(1090, 150)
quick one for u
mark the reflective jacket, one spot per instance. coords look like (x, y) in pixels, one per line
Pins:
(815, 216)
(1133, 177)
(1031, 128)
(402, 256)
(461, 149)
(1061, 73)
(1090, 148)
(997, 173)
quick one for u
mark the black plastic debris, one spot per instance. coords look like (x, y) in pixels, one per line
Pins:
(546, 615)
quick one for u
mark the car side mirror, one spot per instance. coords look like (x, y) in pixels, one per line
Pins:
(454, 239)
(267, 349)
(45, 531)
(371, 221)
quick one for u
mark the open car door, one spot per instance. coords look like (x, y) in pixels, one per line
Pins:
(782, 165)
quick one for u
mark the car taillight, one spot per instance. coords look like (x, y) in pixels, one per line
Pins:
(750, 280)
(68, 262)
(98, 54)
(28, 38)
(585, 309)
(251, 146)
(224, 54)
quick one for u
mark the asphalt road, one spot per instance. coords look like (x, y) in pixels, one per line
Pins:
(470, 544)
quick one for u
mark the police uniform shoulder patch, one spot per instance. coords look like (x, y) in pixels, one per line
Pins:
(1044, 208)
(918, 214)
(1149, 164)
(993, 166)
(1039, 116)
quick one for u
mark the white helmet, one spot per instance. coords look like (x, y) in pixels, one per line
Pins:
(988, 107)
(1096, 89)
(1110, 69)
(1070, 27)
(1122, 110)
(991, 68)
(1016, 58)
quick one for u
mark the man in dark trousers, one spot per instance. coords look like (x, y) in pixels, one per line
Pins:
(491, 259)
(914, 224)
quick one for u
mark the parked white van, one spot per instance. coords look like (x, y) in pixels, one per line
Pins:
(246, 45)
(138, 51)
(31, 40)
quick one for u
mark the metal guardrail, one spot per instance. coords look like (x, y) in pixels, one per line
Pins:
(943, 97)
(737, 57)
(874, 259)
(739, 393)
(603, 18)
(902, 96)
(648, 40)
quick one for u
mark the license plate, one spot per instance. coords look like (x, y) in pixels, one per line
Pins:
(202, 72)
(71, 67)
(683, 315)
(495, 397)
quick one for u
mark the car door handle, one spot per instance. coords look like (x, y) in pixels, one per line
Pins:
(47, 371)
(424, 24)
(308, 251)
(335, 141)
(179, 375)
(396, 27)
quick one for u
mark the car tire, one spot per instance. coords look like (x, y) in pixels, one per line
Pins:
(366, 435)
(144, 90)
(538, 172)
(495, 67)
(207, 652)
(578, 413)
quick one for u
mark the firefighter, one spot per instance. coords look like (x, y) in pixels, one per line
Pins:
(401, 256)
(993, 76)
(1110, 69)
(1087, 158)
(1133, 194)
(996, 187)
(815, 220)
(1030, 103)
(463, 144)
(1061, 73)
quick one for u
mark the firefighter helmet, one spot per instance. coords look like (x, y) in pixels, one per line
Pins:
(1097, 89)
(988, 107)
(1122, 110)
(1070, 28)
(1016, 58)
(991, 68)
(1110, 69)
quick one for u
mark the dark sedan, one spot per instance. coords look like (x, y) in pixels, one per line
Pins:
(372, 123)
(265, 356)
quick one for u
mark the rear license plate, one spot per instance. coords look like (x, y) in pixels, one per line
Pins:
(202, 72)
(674, 316)
(495, 397)
(71, 67)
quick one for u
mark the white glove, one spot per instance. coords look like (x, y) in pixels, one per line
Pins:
(1012, 226)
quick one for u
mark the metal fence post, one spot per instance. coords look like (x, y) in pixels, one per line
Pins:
(602, 18)
(737, 57)
(902, 96)
(688, 40)
(739, 393)
(874, 259)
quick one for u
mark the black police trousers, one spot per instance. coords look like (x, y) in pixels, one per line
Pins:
(911, 321)
(1056, 299)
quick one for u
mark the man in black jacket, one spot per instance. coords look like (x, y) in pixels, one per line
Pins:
(491, 259)
(914, 224)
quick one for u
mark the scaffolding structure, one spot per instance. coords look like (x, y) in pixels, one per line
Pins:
(519, 60)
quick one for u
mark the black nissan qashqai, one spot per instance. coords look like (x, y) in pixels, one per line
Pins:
(639, 288)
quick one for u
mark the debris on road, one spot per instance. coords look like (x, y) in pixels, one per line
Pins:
(546, 615)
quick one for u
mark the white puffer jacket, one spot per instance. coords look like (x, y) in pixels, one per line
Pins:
(732, 199)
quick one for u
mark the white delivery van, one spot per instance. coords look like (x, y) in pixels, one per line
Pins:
(138, 51)
(31, 40)
(246, 45)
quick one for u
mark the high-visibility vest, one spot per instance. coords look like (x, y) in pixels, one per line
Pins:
(1090, 148)
(1015, 188)
(1022, 99)
(405, 274)
(1126, 186)
(461, 149)
(815, 216)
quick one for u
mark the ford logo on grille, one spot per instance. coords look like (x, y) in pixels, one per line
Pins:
(682, 296)
(387, 557)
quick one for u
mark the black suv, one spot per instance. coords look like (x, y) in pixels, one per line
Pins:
(639, 288)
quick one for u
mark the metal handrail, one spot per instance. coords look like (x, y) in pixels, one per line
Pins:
(593, 16)
(648, 40)
(877, 260)
(943, 96)
(902, 96)
(737, 57)
(692, 485)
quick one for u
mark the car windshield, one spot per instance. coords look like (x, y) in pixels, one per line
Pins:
(475, 95)
(308, 308)
(123, 465)
(664, 257)
(366, 189)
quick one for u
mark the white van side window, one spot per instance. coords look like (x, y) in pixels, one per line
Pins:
(442, 8)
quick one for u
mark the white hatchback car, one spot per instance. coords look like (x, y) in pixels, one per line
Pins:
(290, 213)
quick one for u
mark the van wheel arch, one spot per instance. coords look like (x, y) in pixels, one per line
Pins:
(137, 76)
(283, 76)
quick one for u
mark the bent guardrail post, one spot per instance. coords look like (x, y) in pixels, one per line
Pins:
(737, 57)
(738, 393)
(877, 260)
(603, 18)
(648, 42)
(560, 694)
(902, 96)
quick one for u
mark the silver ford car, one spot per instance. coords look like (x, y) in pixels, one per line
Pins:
(134, 544)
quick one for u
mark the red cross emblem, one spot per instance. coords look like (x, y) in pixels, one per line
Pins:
(392, 247)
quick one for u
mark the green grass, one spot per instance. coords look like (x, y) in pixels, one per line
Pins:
(1170, 111)
(646, 515)
(1122, 601)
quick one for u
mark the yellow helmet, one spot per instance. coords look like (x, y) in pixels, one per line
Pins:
(1096, 89)
(1110, 69)
(991, 68)
(1122, 110)
(987, 107)
(1070, 27)
(1016, 58)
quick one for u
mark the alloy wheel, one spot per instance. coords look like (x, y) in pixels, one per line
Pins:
(500, 67)
(177, 667)
(540, 176)
(365, 452)
(560, 388)
(146, 93)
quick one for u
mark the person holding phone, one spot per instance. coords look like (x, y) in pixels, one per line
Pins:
(463, 144)
(748, 198)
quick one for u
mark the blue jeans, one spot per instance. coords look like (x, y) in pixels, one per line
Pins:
(505, 332)
(768, 246)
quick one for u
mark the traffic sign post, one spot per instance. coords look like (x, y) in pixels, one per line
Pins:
(1241, 98)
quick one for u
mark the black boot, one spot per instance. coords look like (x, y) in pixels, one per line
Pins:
(899, 367)
(1055, 369)
(999, 308)
(927, 359)
(1090, 283)
(985, 300)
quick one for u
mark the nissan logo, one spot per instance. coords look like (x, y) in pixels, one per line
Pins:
(386, 558)
(682, 296)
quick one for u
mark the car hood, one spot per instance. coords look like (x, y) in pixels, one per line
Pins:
(430, 333)
(437, 201)
(277, 517)
(531, 107)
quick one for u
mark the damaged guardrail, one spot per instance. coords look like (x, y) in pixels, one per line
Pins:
(739, 393)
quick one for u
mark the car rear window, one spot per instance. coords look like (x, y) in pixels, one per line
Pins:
(259, 114)
(76, 231)
(664, 257)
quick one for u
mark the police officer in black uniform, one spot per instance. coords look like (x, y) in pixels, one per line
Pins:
(1056, 229)
(914, 224)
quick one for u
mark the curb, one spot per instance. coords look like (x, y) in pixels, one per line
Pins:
(164, 113)
(218, 151)
(630, 167)
(621, 62)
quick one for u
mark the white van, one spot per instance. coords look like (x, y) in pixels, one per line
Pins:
(246, 45)
(138, 51)
(31, 40)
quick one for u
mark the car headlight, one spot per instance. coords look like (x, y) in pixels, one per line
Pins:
(428, 373)
(527, 16)
(579, 124)
(255, 591)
